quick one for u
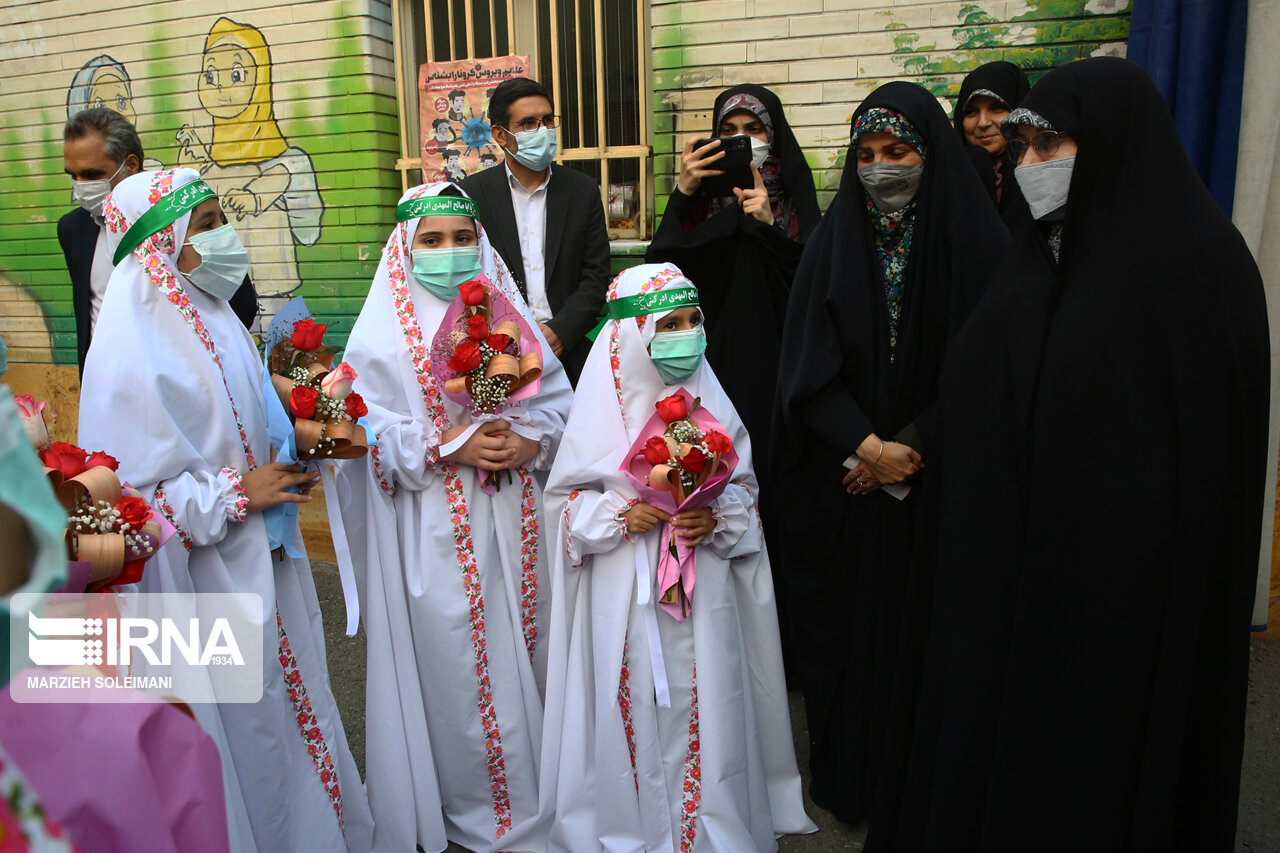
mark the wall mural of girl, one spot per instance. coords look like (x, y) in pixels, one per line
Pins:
(258, 175)
(104, 82)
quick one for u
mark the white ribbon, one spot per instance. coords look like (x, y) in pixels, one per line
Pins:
(515, 417)
(644, 598)
(341, 548)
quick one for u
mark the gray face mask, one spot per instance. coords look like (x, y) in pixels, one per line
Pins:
(891, 186)
(1045, 185)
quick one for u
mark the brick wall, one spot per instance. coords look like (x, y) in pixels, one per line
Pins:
(326, 210)
(823, 56)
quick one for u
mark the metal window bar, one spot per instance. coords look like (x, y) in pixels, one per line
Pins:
(583, 75)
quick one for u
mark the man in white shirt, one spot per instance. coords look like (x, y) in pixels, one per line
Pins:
(546, 221)
(100, 148)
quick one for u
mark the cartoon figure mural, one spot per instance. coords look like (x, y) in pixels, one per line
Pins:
(104, 82)
(267, 185)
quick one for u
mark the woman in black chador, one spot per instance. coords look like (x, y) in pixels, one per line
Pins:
(1098, 487)
(899, 260)
(741, 251)
(987, 96)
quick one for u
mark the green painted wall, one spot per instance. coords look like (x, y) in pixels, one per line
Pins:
(333, 97)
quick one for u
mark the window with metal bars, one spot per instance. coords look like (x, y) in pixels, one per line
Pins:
(589, 53)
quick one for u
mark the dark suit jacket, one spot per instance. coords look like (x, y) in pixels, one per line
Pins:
(577, 250)
(78, 234)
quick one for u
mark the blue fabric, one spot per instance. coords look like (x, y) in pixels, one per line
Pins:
(1194, 51)
(282, 519)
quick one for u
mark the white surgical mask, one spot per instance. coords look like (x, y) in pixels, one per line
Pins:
(90, 194)
(224, 262)
(891, 186)
(759, 151)
(1045, 185)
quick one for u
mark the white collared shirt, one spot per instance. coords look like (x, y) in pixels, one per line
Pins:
(99, 274)
(531, 224)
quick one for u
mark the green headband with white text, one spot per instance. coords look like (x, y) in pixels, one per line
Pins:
(644, 304)
(436, 205)
(161, 215)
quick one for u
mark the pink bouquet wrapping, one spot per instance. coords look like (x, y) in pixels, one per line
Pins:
(682, 460)
(486, 357)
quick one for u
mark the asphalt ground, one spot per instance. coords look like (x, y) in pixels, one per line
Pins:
(1259, 817)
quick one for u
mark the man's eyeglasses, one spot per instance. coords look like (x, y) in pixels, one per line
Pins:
(1045, 143)
(533, 123)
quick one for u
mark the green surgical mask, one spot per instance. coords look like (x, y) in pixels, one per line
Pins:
(440, 271)
(678, 354)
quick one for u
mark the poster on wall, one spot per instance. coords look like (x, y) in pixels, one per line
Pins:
(453, 102)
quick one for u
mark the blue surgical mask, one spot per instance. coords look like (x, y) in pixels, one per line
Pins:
(678, 354)
(440, 271)
(224, 262)
(535, 148)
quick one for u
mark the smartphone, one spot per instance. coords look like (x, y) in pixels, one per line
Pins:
(736, 164)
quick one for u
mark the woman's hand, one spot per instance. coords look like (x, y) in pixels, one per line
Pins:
(695, 525)
(755, 201)
(487, 448)
(693, 165)
(642, 518)
(893, 462)
(267, 485)
(861, 479)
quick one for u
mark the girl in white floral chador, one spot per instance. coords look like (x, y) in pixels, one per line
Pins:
(667, 727)
(453, 584)
(173, 389)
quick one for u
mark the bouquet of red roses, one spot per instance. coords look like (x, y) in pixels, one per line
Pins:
(682, 460)
(111, 529)
(317, 395)
(486, 357)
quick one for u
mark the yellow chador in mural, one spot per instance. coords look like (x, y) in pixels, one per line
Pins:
(259, 176)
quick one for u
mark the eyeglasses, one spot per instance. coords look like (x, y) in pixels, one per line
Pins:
(533, 123)
(1045, 143)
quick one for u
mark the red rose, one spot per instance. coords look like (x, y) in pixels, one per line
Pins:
(355, 406)
(656, 451)
(308, 335)
(134, 511)
(499, 343)
(717, 442)
(472, 292)
(672, 409)
(302, 402)
(98, 459)
(64, 457)
(477, 328)
(466, 357)
(694, 461)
